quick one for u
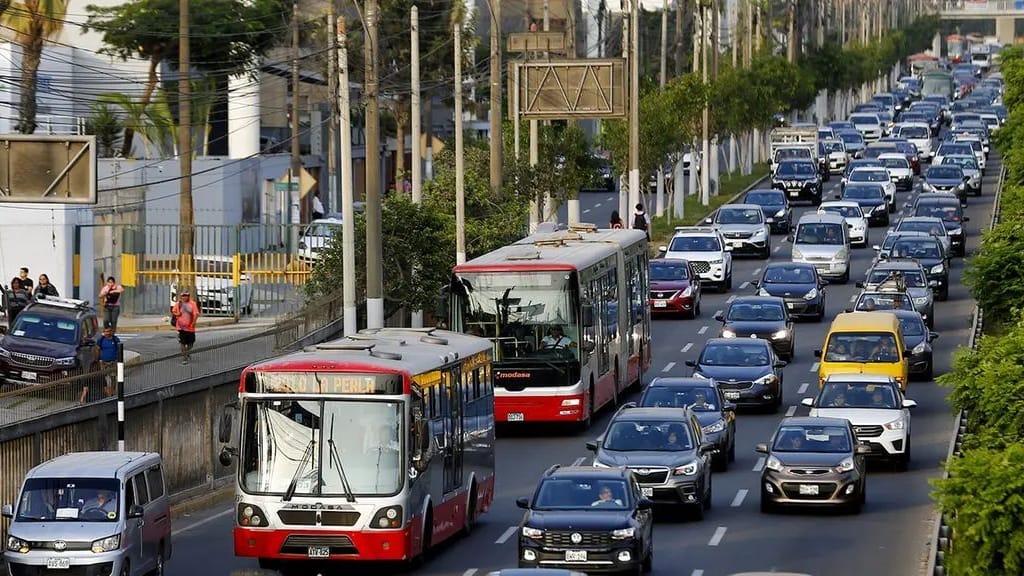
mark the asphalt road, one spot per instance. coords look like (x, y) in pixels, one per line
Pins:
(888, 539)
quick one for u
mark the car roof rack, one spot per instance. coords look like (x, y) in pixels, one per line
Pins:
(58, 302)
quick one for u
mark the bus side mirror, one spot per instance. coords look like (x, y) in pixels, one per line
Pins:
(588, 315)
(227, 456)
(227, 418)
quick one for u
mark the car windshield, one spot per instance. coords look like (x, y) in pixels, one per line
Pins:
(321, 229)
(668, 271)
(844, 211)
(912, 325)
(869, 176)
(820, 233)
(735, 354)
(947, 212)
(69, 500)
(638, 436)
(861, 347)
(699, 398)
(789, 275)
(561, 493)
(739, 216)
(764, 198)
(760, 312)
(787, 169)
(827, 439)
(695, 244)
(915, 132)
(944, 171)
(880, 301)
(833, 147)
(863, 193)
(42, 327)
(956, 149)
(913, 278)
(851, 138)
(899, 163)
(916, 248)
(857, 395)
(862, 119)
(933, 228)
(789, 153)
(875, 151)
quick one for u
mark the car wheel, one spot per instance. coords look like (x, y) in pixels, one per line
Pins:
(732, 447)
(845, 278)
(648, 564)
(720, 462)
(821, 313)
(706, 504)
(944, 295)
(929, 372)
(767, 507)
(160, 567)
(767, 254)
(697, 512)
(696, 308)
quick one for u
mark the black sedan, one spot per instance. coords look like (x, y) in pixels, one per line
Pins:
(717, 416)
(814, 462)
(798, 284)
(747, 370)
(760, 317)
(952, 215)
(775, 206)
(587, 518)
(918, 339)
(871, 199)
(799, 179)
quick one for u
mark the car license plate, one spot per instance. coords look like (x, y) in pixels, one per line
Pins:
(575, 555)
(646, 492)
(809, 489)
(790, 305)
(319, 552)
(515, 417)
(660, 304)
(732, 395)
(29, 375)
(794, 193)
(58, 563)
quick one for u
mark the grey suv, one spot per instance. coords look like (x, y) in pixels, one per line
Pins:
(666, 451)
(744, 227)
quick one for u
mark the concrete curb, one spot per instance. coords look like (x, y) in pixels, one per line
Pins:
(653, 244)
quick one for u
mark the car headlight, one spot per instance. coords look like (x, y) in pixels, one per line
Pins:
(779, 335)
(17, 545)
(714, 427)
(759, 232)
(685, 470)
(773, 463)
(763, 292)
(701, 376)
(622, 533)
(108, 544)
(599, 464)
(713, 262)
(953, 232)
(781, 213)
(686, 293)
(811, 294)
(727, 333)
(842, 254)
(4, 353)
(529, 532)
(845, 466)
(880, 208)
(960, 186)
(797, 254)
(919, 349)
(766, 379)
(927, 187)
(68, 362)
(897, 424)
(937, 269)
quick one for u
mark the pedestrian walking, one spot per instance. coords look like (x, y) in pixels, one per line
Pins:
(185, 315)
(106, 352)
(318, 207)
(110, 296)
(615, 222)
(44, 288)
(26, 282)
(17, 299)
(641, 221)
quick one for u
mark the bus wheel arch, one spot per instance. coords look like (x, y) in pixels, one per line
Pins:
(426, 529)
(471, 507)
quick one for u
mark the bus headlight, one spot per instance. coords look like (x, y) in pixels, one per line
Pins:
(251, 516)
(389, 517)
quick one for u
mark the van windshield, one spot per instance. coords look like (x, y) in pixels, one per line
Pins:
(862, 347)
(69, 500)
(823, 233)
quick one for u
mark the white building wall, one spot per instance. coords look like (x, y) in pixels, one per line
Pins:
(41, 237)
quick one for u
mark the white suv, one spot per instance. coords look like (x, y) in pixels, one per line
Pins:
(876, 408)
(706, 250)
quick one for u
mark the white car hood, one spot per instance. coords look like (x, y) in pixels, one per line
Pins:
(695, 256)
(859, 416)
(857, 223)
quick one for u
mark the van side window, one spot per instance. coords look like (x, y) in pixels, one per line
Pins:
(129, 495)
(141, 491)
(155, 478)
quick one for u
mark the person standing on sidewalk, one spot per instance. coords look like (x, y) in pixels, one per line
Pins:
(641, 221)
(26, 282)
(318, 207)
(44, 288)
(17, 299)
(110, 295)
(106, 353)
(186, 314)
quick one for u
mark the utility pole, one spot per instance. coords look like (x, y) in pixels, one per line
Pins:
(678, 38)
(186, 214)
(296, 169)
(715, 37)
(734, 36)
(791, 34)
(497, 143)
(415, 112)
(332, 126)
(698, 35)
(624, 186)
(348, 212)
(659, 203)
(460, 184)
(634, 99)
(705, 164)
(374, 253)
(548, 212)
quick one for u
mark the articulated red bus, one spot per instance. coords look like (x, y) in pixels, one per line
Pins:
(372, 447)
(568, 314)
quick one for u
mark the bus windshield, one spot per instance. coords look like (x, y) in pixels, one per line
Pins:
(531, 314)
(307, 447)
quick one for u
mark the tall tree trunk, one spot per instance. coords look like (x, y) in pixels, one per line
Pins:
(147, 97)
(31, 55)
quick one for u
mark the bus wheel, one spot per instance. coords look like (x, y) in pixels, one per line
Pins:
(585, 423)
(427, 535)
(467, 526)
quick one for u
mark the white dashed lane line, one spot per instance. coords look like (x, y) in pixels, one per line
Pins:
(776, 249)
(697, 573)
(702, 330)
(755, 272)
(738, 500)
(686, 348)
(814, 367)
(586, 210)
(744, 286)
(579, 461)
(853, 298)
(506, 535)
(668, 367)
(717, 313)
(790, 411)
(759, 465)
(716, 538)
(469, 572)
(730, 299)
(802, 388)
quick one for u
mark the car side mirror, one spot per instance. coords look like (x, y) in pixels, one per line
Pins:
(761, 448)
(523, 503)
(588, 315)
(966, 219)
(861, 449)
(592, 445)
(719, 317)
(809, 402)
(7, 511)
(135, 511)
(908, 353)
(644, 504)
(859, 284)
(848, 310)
(932, 336)
(823, 282)
(838, 195)
(876, 247)
(707, 448)
(908, 403)
(302, 245)
(780, 364)
(817, 353)
(755, 283)
(729, 407)
(690, 363)
(662, 249)
(708, 221)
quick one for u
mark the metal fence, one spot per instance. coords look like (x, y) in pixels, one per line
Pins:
(243, 270)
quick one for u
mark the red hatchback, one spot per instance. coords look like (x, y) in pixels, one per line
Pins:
(675, 288)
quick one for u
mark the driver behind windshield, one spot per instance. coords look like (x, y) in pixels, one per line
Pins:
(557, 340)
(104, 501)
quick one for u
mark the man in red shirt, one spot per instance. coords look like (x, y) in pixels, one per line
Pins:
(186, 314)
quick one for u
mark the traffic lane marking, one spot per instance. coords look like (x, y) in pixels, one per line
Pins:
(759, 465)
(686, 348)
(506, 535)
(803, 388)
(668, 367)
(702, 330)
(744, 286)
(179, 531)
(814, 367)
(578, 461)
(716, 538)
(790, 411)
(741, 494)
(469, 572)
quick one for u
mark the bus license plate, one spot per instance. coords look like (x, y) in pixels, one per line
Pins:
(58, 563)
(319, 551)
(515, 417)
(732, 395)
(646, 492)
(809, 489)
(575, 555)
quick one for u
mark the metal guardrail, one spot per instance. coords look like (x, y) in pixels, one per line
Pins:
(942, 536)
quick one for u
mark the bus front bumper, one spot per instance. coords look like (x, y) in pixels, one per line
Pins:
(267, 543)
(561, 408)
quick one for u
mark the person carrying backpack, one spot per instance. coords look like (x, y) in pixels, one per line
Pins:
(641, 221)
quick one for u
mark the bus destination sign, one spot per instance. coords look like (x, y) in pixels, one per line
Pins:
(323, 383)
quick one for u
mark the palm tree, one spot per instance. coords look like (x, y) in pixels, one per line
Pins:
(33, 22)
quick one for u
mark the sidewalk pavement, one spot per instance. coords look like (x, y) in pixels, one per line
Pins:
(149, 337)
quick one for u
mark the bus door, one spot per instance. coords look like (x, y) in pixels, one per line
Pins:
(453, 430)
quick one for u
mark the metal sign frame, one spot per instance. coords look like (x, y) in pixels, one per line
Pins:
(567, 89)
(47, 169)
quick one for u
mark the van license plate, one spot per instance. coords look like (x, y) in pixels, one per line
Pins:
(515, 417)
(319, 551)
(58, 563)
(575, 555)
(29, 375)
(809, 489)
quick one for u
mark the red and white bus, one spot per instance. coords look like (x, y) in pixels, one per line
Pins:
(567, 312)
(372, 447)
